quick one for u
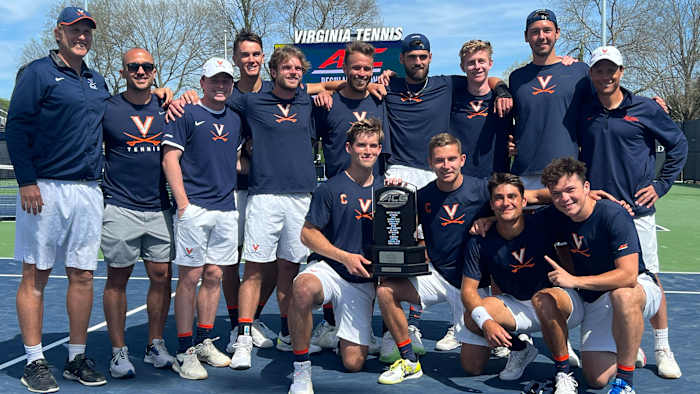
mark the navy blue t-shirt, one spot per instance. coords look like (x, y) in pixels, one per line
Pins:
(266, 86)
(332, 127)
(547, 100)
(133, 176)
(282, 131)
(416, 113)
(619, 150)
(517, 266)
(446, 218)
(483, 134)
(343, 210)
(209, 142)
(595, 243)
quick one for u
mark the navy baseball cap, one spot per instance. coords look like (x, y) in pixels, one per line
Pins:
(415, 41)
(71, 15)
(541, 15)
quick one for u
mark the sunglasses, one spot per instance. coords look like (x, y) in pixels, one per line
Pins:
(134, 67)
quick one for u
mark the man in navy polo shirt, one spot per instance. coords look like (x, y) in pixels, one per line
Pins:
(200, 160)
(338, 228)
(545, 94)
(512, 254)
(608, 272)
(54, 137)
(137, 222)
(617, 131)
(282, 176)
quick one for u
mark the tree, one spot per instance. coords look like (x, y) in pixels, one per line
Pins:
(659, 39)
(327, 14)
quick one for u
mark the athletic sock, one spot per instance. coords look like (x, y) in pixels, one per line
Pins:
(184, 341)
(661, 339)
(284, 328)
(244, 326)
(406, 351)
(232, 315)
(301, 355)
(414, 313)
(328, 314)
(203, 331)
(561, 364)
(116, 349)
(516, 344)
(74, 350)
(626, 373)
(258, 311)
(34, 353)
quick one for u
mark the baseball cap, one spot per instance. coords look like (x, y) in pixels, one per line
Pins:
(217, 65)
(71, 15)
(414, 42)
(541, 15)
(606, 53)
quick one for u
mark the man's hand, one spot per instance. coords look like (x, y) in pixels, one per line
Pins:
(30, 196)
(177, 107)
(495, 334)
(377, 90)
(181, 211)
(394, 182)
(165, 95)
(560, 277)
(646, 196)
(355, 264)
(512, 147)
(599, 194)
(568, 60)
(385, 77)
(503, 106)
(481, 226)
(661, 103)
(324, 99)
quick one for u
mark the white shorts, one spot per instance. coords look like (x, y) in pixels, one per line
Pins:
(128, 234)
(415, 176)
(273, 226)
(434, 289)
(526, 320)
(353, 303)
(204, 236)
(646, 230)
(596, 329)
(241, 203)
(68, 229)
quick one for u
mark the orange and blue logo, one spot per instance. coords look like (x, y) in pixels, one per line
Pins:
(219, 135)
(286, 117)
(578, 245)
(520, 257)
(365, 205)
(477, 110)
(544, 81)
(143, 127)
(451, 211)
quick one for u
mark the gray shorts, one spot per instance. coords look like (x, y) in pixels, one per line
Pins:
(128, 234)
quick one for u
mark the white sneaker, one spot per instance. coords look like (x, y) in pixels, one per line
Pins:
(262, 336)
(449, 341)
(284, 344)
(388, 353)
(565, 383)
(157, 354)
(666, 364)
(517, 361)
(120, 367)
(325, 336)
(241, 352)
(187, 365)
(302, 379)
(415, 335)
(232, 335)
(401, 370)
(208, 353)
(574, 360)
(375, 345)
(500, 352)
(641, 359)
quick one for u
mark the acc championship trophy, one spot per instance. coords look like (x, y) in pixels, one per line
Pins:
(395, 251)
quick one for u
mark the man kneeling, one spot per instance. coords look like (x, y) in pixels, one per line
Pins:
(338, 229)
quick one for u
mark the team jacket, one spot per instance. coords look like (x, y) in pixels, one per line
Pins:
(54, 126)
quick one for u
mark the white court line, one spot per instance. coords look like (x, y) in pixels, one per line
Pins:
(64, 340)
(65, 277)
(679, 272)
(681, 292)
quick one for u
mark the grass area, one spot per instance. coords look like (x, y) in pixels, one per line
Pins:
(676, 211)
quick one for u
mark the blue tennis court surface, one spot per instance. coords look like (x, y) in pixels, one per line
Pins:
(271, 368)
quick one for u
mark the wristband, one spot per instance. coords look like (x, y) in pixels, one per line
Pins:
(502, 91)
(479, 315)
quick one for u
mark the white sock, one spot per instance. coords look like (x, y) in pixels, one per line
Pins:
(115, 350)
(34, 353)
(661, 339)
(74, 350)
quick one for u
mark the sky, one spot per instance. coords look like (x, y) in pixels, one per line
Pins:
(446, 23)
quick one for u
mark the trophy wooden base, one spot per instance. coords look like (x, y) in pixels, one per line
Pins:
(399, 261)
